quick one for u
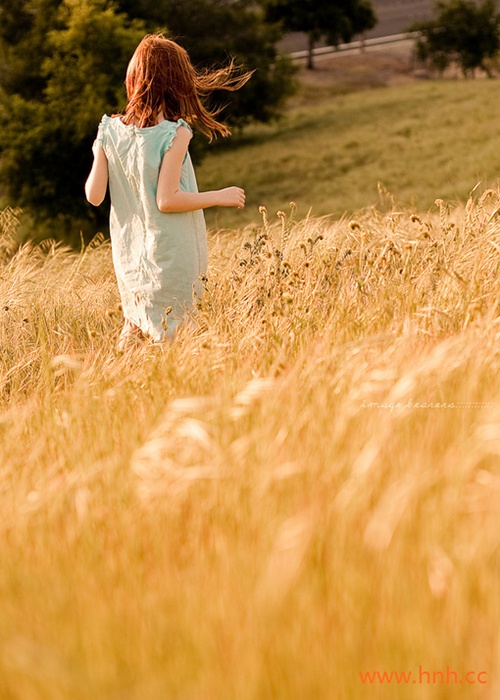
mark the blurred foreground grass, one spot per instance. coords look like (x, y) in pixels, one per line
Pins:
(303, 487)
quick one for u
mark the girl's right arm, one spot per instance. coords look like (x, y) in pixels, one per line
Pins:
(97, 181)
(169, 196)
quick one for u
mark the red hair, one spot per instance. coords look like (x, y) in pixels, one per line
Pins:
(161, 80)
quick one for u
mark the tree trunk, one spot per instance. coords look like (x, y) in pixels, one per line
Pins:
(310, 55)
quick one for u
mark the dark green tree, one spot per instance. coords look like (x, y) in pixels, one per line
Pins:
(336, 21)
(50, 107)
(463, 32)
(24, 26)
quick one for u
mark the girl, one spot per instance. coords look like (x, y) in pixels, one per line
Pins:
(157, 228)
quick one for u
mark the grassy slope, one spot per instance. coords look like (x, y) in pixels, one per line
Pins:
(421, 140)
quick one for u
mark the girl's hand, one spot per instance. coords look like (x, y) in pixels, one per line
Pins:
(232, 197)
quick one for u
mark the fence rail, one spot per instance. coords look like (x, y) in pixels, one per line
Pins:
(358, 44)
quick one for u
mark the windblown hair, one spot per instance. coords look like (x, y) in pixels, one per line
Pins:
(161, 80)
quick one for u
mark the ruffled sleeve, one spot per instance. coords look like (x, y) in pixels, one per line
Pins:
(101, 131)
(171, 134)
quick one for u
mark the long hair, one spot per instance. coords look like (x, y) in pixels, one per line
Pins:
(161, 80)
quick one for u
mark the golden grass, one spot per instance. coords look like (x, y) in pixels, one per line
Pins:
(260, 509)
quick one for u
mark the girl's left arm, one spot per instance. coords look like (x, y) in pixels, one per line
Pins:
(97, 181)
(169, 196)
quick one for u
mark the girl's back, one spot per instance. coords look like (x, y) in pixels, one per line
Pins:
(158, 257)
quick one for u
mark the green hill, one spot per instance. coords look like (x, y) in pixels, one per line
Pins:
(421, 140)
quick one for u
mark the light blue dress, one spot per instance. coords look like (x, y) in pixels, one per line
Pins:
(157, 257)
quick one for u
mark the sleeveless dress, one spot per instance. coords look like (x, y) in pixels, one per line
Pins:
(158, 257)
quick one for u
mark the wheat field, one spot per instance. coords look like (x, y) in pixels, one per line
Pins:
(302, 488)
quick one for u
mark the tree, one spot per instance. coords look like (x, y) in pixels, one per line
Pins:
(62, 65)
(50, 109)
(336, 21)
(464, 32)
(24, 25)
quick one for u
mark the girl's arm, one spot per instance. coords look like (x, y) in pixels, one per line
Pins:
(97, 181)
(169, 196)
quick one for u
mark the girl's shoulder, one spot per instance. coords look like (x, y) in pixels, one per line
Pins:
(107, 120)
(168, 127)
(115, 128)
(102, 130)
(181, 122)
(168, 130)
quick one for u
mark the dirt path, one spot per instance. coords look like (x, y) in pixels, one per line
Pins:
(383, 64)
(376, 66)
(390, 64)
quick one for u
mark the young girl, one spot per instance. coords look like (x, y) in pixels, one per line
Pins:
(157, 228)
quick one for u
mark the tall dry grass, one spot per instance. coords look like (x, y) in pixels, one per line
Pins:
(303, 487)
